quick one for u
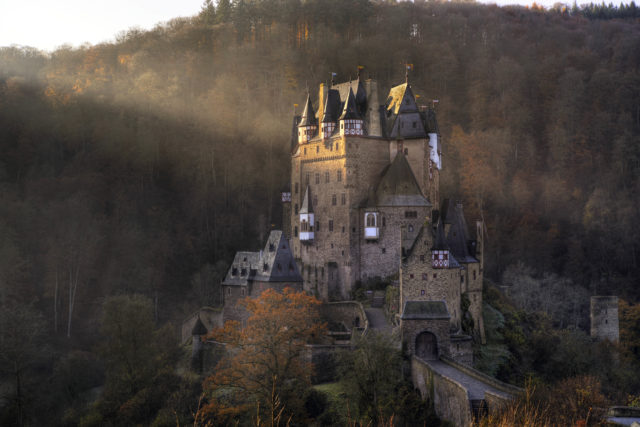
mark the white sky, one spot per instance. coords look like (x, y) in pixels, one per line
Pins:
(47, 24)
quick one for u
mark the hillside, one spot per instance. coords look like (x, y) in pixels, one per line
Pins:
(141, 166)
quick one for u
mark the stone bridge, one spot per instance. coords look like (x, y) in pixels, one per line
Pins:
(459, 393)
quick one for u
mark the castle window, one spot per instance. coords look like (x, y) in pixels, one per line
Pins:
(410, 228)
(331, 226)
(244, 259)
(234, 271)
(334, 200)
(317, 178)
(341, 125)
(317, 225)
(296, 188)
(421, 257)
(295, 209)
(384, 221)
(242, 291)
(305, 150)
(384, 250)
(461, 279)
(422, 292)
(411, 276)
(339, 175)
(228, 291)
(304, 226)
(343, 228)
(342, 253)
(265, 267)
(474, 275)
(271, 247)
(295, 231)
(435, 275)
(353, 229)
(318, 147)
(406, 151)
(424, 276)
(371, 220)
(337, 146)
(315, 200)
(243, 272)
(322, 272)
(307, 178)
(411, 214)
(326, 177)
(343, 199)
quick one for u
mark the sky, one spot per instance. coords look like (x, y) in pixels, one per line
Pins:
(48, 24)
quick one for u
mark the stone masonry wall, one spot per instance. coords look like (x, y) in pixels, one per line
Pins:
(450, 399)
(411, 328)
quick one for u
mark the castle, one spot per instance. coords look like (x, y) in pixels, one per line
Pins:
(365, 205)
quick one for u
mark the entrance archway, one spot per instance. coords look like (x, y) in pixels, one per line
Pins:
(427, 346)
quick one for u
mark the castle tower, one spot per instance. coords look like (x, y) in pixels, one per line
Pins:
(308, 125)
(604, 318)
(307, 218)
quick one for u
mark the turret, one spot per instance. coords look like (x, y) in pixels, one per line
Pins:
(308, 125)
(197, 332)
(351, 122)
(440, 250)
(306, 218)
(330, 113)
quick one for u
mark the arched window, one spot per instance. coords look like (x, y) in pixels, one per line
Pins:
(371, 220)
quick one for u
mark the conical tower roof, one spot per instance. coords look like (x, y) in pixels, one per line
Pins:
(308, 114)
(350, 111)
(307, 206)
(199, 328)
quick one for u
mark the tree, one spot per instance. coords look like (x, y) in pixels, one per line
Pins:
(371, 377)
(139, 360)
(21, 345)
(265, 364)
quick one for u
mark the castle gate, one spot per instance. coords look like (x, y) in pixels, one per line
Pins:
(427, 346)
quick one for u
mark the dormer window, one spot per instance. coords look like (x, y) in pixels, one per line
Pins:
(265, 267)
(271, 247)
(234, 271)
(243, 272)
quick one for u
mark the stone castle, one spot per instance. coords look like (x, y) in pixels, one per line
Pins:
(365, 205)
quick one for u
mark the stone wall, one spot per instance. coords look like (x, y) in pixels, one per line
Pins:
(450, 399)
(411, 328)
(211, 318)
(351, 313)
(604, 318)
(461, 349)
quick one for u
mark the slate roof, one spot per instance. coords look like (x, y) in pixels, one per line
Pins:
(307, 206)
(403, 119)
(199, 328)
(425, 310)
(360, 96)
(458, 237)
(273, 264)
(331, 110)
(308, 114)
(350, 111)
(398, 186)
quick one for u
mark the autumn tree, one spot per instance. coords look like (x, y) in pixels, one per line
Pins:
(266, 369)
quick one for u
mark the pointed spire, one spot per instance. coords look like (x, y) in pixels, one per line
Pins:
(350, 111)
(308, 114)
(307, 206)
(328, 112)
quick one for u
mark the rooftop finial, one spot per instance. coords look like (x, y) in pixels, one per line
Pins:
(333, 76)
(360, 68)
(406, 75)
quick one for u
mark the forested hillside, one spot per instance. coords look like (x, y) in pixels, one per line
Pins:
(140, 166)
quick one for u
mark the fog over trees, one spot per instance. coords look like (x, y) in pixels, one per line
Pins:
(130, 172)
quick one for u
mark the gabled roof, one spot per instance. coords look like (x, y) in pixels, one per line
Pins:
(308, 114)
(403, 119)
(307, 206)
(331, 109)
(398, 186)
(358, 90)
(277, 262)
(350, 111)
(425, 310)
(273, 264)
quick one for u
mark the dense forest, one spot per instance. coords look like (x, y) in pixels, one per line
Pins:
(140, 166)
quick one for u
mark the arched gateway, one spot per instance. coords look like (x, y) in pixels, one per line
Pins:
(427, 346)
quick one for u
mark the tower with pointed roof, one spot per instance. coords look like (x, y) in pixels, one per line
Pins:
(365, 201)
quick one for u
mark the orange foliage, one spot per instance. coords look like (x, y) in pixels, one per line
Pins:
(265, 363)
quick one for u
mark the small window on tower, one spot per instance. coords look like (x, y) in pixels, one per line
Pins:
(318, 147)
(307, 178)
(243, 272)
(337, 145)
(228, 291)
(343, 199)
(422, 292)
(296, 187)
(234, 271)
(265, 267)
(317, 178)
(334, 200)
(331, 226)
(410, 228)
(411, 276)
(343, 228)
(295, 209)
(424, 276)
(474, 275)
(384, 250)
(271, 247)
(295, 231)
(242, 291)
(339, 175)
(326, 177)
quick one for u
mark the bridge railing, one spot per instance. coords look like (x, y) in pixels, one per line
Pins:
(495, 383)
